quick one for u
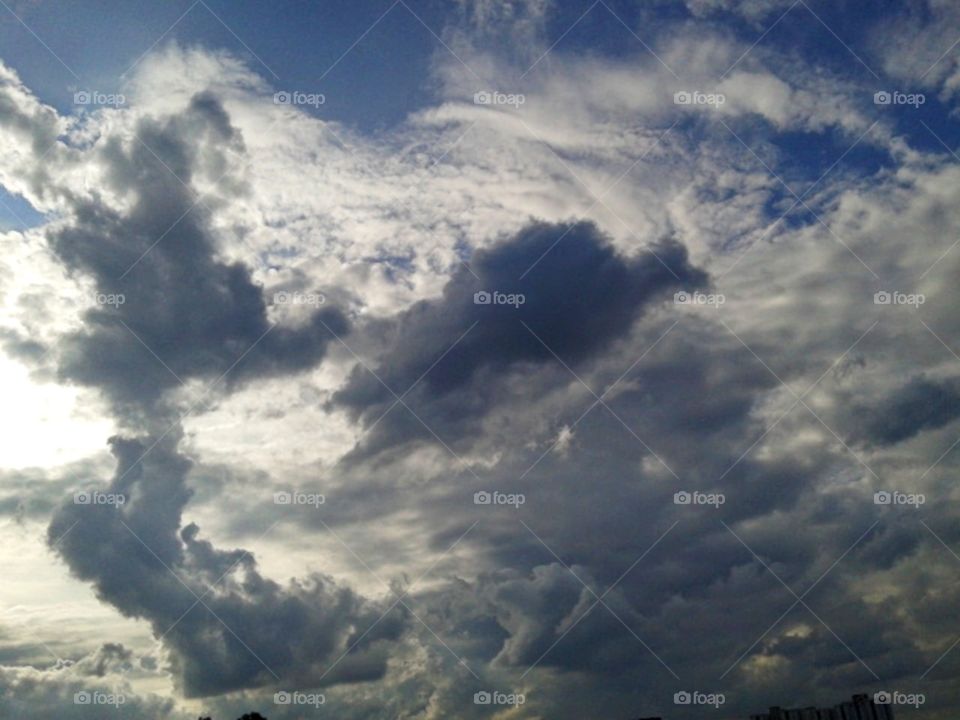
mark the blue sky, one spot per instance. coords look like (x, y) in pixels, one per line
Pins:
(389, 71)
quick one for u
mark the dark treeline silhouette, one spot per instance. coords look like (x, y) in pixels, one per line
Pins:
(859, 707)
(246, 716)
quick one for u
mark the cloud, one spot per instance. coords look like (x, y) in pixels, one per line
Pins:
(196, 315)
(915, 46)
(227, 626)
(548, 289)
(522, 21)
(30, 129)
(921, 404)
(753, 10)
(87, 688)
(174, 312)
(695, 398)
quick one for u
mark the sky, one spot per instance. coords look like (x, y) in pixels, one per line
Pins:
(513, 359)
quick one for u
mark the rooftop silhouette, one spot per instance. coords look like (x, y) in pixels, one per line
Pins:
(860, 707)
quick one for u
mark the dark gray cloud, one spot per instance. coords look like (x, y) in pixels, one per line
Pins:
(921, 404)
(579, 295)
(700, 402)
(199, 315)
(247, 631)
(34, 493)
(109, 658)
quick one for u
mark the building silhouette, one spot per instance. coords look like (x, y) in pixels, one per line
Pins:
(861, 707)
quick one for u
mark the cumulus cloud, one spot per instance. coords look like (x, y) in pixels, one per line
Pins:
(87, 688)
(227, 626)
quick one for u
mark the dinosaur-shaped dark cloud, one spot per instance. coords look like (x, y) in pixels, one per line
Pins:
(551, 289)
